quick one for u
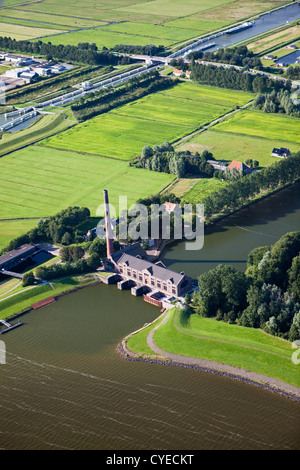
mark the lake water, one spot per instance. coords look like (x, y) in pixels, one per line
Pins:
(64, 386)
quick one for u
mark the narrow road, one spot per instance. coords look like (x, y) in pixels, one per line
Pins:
(225, 369)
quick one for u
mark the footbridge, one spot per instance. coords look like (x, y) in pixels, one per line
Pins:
(12, 274)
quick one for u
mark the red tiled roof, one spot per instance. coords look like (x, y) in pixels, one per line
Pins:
(238, 165)
(170, 206)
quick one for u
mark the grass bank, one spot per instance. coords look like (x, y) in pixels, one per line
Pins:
(207, 339)
(28, 296)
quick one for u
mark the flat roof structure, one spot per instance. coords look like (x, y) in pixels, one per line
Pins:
(15, 255)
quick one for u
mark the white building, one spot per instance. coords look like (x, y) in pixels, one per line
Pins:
(29, 75)
(17, 59)
(15, 73)
(42, 71)
(86, 85)
(58, 68)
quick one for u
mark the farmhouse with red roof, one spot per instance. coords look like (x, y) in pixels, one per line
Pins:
(239, 166)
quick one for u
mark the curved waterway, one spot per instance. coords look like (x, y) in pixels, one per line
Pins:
(64, 386)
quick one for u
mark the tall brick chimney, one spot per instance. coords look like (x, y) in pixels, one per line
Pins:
(109, 237)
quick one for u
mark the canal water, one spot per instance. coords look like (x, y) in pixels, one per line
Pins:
(264, 23)
(230, 240)
(64, 386)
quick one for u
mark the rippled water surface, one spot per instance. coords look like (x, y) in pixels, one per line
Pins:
(65, 387)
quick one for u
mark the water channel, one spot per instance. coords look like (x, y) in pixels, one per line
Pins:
(265, 22)
(64, 386)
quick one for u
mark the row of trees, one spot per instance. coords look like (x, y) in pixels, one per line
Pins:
(108, 99)
(277, 102)
(83, 53)
(149, 49)
(238, 55)
(266, 296)
(163, 158)
(238, 192)
(235, 79)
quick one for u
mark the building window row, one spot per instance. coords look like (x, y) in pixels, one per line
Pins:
(153, 281)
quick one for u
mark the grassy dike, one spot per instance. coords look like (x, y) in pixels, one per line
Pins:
(234, 350)
(20, 299)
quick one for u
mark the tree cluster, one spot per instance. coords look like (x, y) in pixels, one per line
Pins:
(279, 101)
(293, 72)
(60, 228)
(266, 296)
(163, 158)
(238, 55)
(71, 253)
(68, 268)
(239, 191)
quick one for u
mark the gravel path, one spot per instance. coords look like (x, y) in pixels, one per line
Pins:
(166, 358)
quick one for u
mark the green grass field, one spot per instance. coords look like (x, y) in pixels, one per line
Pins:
(10, 229)
(227, 146)
(39, 181)
(104, 38)
(159, 117)
(269, 126)
(201, 190)
(234, 345)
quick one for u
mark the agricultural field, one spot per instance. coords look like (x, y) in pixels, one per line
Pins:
(140, 22)
(227, 146)
(193, 191)
(20, 32)
(156, 118)
(247, 134)
(269, 126)
(274, 40)
(39, 182)
(10, 229)
(106, 38)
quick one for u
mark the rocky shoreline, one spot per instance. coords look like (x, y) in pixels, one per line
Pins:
(125, 353)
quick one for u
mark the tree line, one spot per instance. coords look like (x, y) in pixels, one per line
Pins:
(235, 79)
(237, 55)
(82, 53)
(111, 98)
(149, 49)
(241, 190)
(266, 296)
